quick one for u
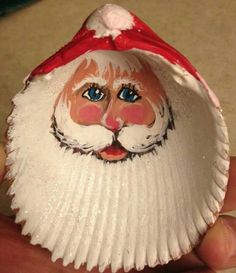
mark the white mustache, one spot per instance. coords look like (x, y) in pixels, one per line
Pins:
(89, 138)
(141, 138)
(86, 138)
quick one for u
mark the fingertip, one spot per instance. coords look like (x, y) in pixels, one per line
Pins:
(218, 247)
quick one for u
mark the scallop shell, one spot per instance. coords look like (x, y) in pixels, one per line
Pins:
(146, 210)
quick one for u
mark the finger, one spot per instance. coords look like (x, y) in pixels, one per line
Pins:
(17, 253)
(185, 264)
(218, 247)
(2, 161)
(230, 198)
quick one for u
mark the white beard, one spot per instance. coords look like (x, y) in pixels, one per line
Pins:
(134, 213)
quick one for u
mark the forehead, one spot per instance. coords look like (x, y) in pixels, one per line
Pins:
(113, 75)
(112, 71)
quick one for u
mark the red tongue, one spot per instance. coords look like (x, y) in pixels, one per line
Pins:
(114, 150)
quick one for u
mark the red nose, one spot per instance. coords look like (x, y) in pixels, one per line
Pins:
(112, 123)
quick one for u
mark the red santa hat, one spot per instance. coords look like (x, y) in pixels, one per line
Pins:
(111, 27)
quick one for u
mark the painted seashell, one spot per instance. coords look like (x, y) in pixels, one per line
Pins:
(117, 149)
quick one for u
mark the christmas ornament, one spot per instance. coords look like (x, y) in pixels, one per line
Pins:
(117, 149)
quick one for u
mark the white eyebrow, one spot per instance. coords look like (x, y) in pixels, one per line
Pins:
(118, 83)
(90, 79)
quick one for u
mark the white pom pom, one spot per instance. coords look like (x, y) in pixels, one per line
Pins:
(110, 20)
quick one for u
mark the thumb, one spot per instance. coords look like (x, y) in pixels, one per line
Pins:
(218, 248)
(2, 161)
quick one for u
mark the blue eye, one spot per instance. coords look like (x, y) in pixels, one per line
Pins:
(93, 93)
(129, 95)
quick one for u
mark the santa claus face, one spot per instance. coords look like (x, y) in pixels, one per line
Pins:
(114, 99)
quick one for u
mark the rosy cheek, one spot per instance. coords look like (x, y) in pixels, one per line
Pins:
(134, 114)
(89, 114)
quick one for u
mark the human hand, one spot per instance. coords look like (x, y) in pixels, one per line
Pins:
(216, 251)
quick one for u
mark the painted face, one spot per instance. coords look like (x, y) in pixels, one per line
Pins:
(113, 99)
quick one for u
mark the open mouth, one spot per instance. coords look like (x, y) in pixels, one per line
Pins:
(114, 149)
(113, 152)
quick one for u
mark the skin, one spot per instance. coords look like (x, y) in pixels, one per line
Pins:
(111, 111)
(216, 251)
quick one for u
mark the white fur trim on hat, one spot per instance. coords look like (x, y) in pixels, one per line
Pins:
(109, 20)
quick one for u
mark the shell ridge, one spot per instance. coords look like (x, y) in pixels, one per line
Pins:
(59, 249)
(116, 251)
(175, 242)
(161, 219)
(169, 184)
(108, 240)
(91, 217)
(131, 233)
(141, 258)
(51, 231)
(85, 204)
(76, 199)
(100, 223)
